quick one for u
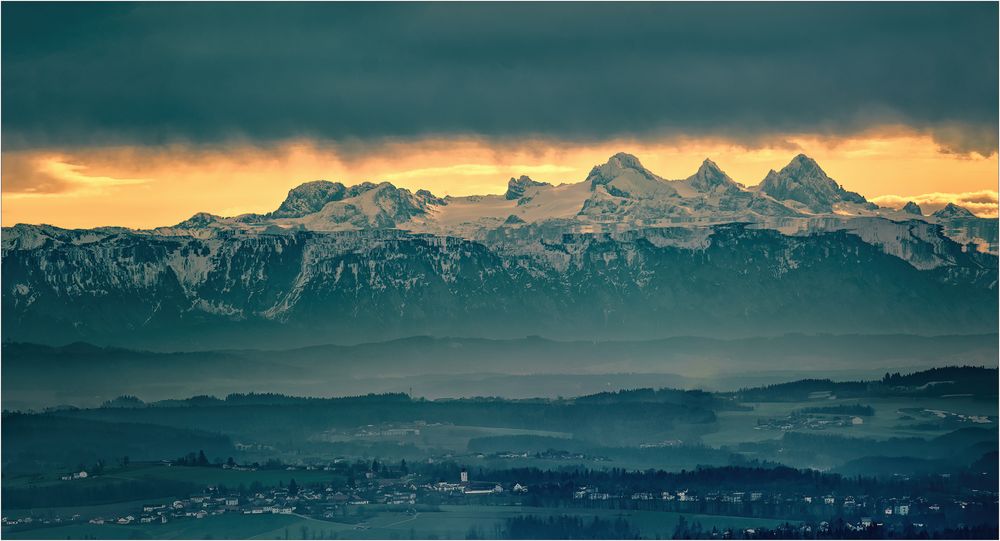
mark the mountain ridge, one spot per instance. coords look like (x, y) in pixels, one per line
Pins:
(123, 288)
(622, 255)
(620, 191)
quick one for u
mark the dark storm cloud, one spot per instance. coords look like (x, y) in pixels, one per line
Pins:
(80, 74)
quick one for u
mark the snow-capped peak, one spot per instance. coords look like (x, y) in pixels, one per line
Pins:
(624, 159)
(619, 194)
(616, 166)
(709, 177)
(368, 205)
(623, 176)
(309, 197)
(804, 162)
(804, 181)
(951, 210)
(804, 170)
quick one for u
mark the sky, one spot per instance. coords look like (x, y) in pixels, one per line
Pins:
(143, 114)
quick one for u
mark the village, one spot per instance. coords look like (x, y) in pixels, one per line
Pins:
(393, 490)
(799, 421)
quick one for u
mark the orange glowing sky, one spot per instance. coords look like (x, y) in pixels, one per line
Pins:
(143, 187)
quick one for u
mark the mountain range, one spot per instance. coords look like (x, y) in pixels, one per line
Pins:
(618, 194)
(622, 254)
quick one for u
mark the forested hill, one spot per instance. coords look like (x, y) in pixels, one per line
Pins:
(977, 381)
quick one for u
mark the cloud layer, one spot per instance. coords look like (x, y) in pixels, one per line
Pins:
(982, 203)
(89, 74)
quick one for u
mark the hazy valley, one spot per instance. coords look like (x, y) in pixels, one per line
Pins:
(626, 356)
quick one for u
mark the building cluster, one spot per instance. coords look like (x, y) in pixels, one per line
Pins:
(393, 431)
(465, 487)
(661, 444)
(45, 521)
(201, 506)
(551, 454)
(867, 510)
(322, 503)
(859, 512)
(799, 421)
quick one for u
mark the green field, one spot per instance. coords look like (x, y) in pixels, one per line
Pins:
(452, 522)
(230, 526)
(445, 436)
(202, 476)
(217, 476)
(735, 427)
(87, 511)
(455, 521)
(457, 437)
(198, 476)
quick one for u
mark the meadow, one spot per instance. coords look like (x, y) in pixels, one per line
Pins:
(890, 419)
(451, 522)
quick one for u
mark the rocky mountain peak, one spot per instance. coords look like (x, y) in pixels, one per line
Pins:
(308, 198)
(618, 165)
(201, 219)
(517, 186)
(709, 177)
(804, 181)
(623, 176)
(951, 210)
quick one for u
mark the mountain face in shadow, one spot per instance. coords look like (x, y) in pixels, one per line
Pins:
(624, 254)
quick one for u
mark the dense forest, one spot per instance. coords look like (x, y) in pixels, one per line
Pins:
(976, 381)
(280, 418)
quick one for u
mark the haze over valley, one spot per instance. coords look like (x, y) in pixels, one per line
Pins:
(499, 270)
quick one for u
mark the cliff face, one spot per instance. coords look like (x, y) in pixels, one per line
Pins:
(236, 290)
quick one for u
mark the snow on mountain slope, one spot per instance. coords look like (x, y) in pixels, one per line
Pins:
(622, 254)
(709, 178)
(296, 285)
(708, 196)
(471, 216)
(517, 186)
(311, 197)
(623, 176)
(376, 207)
(804, 182)
(917, 242)
(618, 195)
(553, 203)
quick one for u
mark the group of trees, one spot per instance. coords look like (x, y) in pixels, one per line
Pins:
(841, 409)
(781, 491)
(778, 478)
(838, 529)
(74, 494)
(40, 444)
(277, 419)
(976, 380)
(193, 459)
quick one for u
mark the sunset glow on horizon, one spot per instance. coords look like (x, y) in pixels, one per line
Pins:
(145, 187)
(142, 114)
